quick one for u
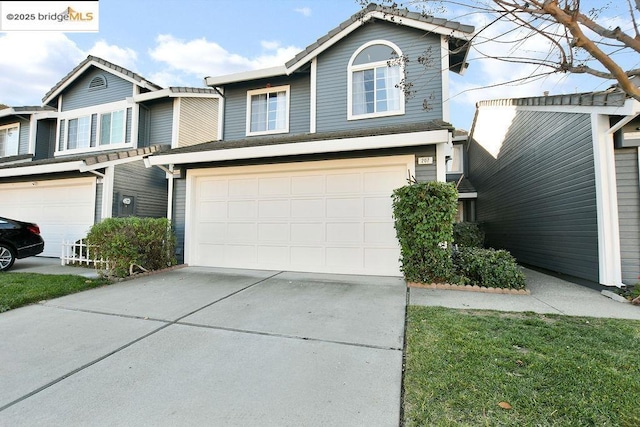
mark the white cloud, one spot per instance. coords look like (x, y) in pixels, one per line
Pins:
(124, 57)
(32, 64)
(187, 60)
(304, 11)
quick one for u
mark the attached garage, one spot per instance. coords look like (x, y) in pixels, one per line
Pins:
(63, 208)
(325, 216)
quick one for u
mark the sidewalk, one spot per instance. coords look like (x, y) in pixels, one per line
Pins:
(548, 295)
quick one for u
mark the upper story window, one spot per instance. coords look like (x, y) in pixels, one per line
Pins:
(374, 76)
(98, 130)
(455, 164)
(268, 111)
(9, 139)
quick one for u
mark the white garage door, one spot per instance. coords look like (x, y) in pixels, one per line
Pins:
(328, 216)
(64, 209)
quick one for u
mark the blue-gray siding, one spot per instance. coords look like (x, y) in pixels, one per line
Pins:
(147, 185)
(143, 126)
(628, 189)
(537, 199)
(78, 95)
(426, 173)
(179, 217)
(332, 77)
(161, 122)
(45, 139)
(235, 123)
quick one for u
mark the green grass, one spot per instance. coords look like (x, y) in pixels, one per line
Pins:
(19, 289)
(552, 370)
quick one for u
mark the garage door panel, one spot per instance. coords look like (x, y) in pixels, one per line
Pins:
(327, 216)
(64, 209)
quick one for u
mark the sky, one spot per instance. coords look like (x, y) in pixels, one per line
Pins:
(179, 42)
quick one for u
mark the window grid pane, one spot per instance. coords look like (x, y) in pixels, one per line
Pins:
(268, 111)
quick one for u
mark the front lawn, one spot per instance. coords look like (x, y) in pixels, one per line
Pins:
(477, 368)
(19, 289)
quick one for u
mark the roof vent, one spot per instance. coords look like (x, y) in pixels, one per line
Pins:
(98, 82)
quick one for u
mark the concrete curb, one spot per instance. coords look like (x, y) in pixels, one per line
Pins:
(615, 296)
(469, 288)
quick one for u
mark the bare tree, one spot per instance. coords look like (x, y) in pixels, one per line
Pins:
(577, 41)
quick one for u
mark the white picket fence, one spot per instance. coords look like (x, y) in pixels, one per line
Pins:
(79, 253)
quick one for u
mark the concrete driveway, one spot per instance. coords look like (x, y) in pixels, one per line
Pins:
(198, 346)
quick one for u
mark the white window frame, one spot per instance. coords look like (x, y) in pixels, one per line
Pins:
(286, 89)
(368, 66)
(456, 151)
(11, 126)
(99, 111)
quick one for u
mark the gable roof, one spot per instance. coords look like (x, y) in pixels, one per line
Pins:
(104, 65)
(458, 35)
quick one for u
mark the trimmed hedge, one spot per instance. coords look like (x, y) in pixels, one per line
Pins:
(488, 267)
(424, 214)
(145, 243)
(468, 235)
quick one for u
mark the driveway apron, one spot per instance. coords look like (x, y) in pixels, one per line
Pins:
(202, 346)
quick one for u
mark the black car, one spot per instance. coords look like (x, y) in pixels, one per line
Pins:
(18, 239)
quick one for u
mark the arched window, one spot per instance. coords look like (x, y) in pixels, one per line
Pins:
(375, 72)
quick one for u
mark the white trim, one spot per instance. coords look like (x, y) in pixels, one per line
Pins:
(287, 90)
(170, 178)
(464, 196)
(41, 169)
(107, 193)
(96, 109)
(175, 125)
(168, 93)
(441, 165)
(33, 132)
(609, 259)
(245, 75)
(444, 57)
(313, 96)
(135, 117)
(309, 147)
(372, 65)
(221, 107)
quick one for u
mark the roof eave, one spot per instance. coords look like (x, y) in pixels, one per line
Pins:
(245, 76)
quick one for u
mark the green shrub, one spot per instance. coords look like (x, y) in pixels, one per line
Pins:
(468, 235)
(488, 267)
(424, 214)
(148, 243)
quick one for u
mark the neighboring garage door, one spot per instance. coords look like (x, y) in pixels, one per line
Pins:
(64, 209)
(325, 216)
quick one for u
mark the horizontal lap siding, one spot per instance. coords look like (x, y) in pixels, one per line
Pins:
(198, 121)
(78, 94)
(147, 185)
(537, 199)
(161, 122)
(628, 189)
(425, 173)
(235, 121)
(332, 77)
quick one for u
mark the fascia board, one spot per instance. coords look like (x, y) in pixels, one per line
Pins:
(301, 148)
(41, 169)
(245, 76)
(168, 93)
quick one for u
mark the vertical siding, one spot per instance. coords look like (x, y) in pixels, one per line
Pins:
(537, 199)
(332, 77)
(179, 216)
(628, 189)
(147, 185)
(235, 125)
(426, 173)
(198, 121)
(161, 122)
(78, 95)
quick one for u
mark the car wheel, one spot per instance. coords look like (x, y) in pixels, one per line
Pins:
(7, 257)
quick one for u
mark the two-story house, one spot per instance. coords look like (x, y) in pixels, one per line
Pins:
(312, 150)
(79, 158)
